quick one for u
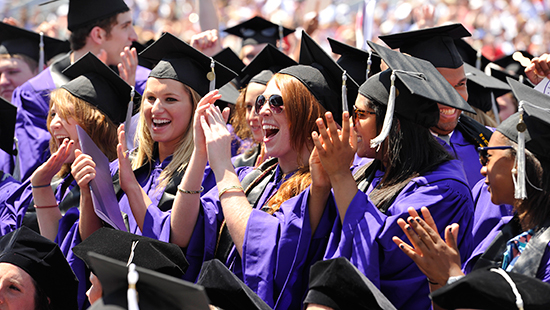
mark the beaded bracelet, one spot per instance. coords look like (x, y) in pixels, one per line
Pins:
(225, 189)
(45, 207)
(184, 191)
(40, 186)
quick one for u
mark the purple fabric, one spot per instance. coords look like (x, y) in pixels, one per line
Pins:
(10, 218)
(465, 152)
(365, 237)
(238, 145)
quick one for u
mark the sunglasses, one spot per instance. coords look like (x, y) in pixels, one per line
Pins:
(361, 114)
(266, 32)
(483, 152)
(275, 103)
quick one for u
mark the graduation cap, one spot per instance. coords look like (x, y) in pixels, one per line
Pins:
(154, 290)
(529, 128)
(8, 112)
(225, 290)
(258, 30)
(140, 48)
(356, 61)
(494, 289)
(84, 12)
(515, 63)
(470, 55)
(324, 78)
(266, 63)
(145, 252)
(95, 83)
(337, 284)
(502, 76)
(230, 94)
(229, 59)
(15, 40)
(179, 61)
(435, 44)
(483, 89)
(44, 262)
(417, 88)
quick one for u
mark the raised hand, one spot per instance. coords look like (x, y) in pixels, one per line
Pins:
(218, 139)
(207, 42)
(128, 65)
(128, 180)
(198, 134)
(45, 173)
(538, 69)
(83, 170)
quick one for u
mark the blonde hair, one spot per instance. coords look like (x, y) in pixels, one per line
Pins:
(96, 124)
(184, 147)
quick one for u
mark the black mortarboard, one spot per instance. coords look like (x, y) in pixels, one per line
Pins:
(515, 63)
(229, 59)
(323, 77)
(148, 253)
(435, 45)
(15, 40)
(355, 61)
(486, 289)
(8, 112)
(502, 75)
(337, 284)
(470, 55)
(155, 290)
(85, 12)
(258, 30)
(95, 83)
(480, 86)
(44, 262)
(268, 62)
(179, 61)
(140, 48)
(225, 290)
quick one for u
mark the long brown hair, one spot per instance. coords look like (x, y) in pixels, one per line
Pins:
(96, 124)
(238, 119)
(301, 110)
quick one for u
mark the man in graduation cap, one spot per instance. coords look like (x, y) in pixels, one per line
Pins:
(459, 134)
(101, 27)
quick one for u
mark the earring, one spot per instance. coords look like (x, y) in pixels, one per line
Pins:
(514, 171)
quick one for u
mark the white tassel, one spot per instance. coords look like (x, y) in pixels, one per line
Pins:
(478, 60)
(344, 93)
(281, 36)
(388, 119)
(132, 295)
(213, 75)
(128, 121)
(519, 178)
(369, 64)
(41, 56)
(495, 108)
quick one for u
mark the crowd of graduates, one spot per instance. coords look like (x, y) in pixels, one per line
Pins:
(410, 175)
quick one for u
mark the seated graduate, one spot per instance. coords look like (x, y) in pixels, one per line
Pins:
(246, 122)
(34, 274)
(270, 235)
(410, 169)
(515, 166)
(96, 100)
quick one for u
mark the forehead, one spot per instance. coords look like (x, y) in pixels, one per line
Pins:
(362, 102)
(124, 17)
(498, 139)
(11, 62)
(272, 89)
(452, 76)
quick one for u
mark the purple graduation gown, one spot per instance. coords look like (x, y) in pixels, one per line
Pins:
(365, 237)
(10, 218)
(32, 100)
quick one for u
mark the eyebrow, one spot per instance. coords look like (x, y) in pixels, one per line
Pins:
(464, 80)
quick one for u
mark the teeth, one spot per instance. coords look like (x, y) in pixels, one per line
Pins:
(447, 111)
(161, 121)
(267, 127)
(61, 137)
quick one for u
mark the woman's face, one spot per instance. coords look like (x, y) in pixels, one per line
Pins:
(365, 127)
(168, 110)
(252, 119)
(96, 290)
(62, 129)
(16, 288)
(276, 128)
(498, 171)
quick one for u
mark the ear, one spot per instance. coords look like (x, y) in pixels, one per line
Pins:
(97, 35)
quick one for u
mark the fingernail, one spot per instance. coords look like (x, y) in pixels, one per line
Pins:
(408, 227)
(418, 220)
(402, 246)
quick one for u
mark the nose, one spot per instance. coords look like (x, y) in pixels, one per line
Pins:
(133, 34)
(4, 79)
(157, 107)
(55, 123)
(264, 110)
(483, 171)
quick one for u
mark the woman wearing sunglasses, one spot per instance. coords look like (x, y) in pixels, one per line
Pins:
(269, 235)
(515, 174)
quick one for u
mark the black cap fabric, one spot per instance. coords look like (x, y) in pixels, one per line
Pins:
(44, 262)
(15, 40)
(155, 290)
(480, 86)
(435, 45)
(470, 55)
(225, 290)
(536, 116)
(503, 76)
(229, 59)
(84, 12)
(95, 83)
(149, 253)
(515, 63)
(8, 112)
(230, 94)
(140, 48)
(258, 30)
(179, 61)
(323, 77)
(485, 289)
(336, 283)
(354, 60)
(268, 62)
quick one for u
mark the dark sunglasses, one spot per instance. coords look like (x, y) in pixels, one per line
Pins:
(275, 103)
(483, 152)
(361, 114)
(267, 32)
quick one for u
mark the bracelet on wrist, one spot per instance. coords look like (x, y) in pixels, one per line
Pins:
(228, 188)
(432, 283)
(45, 207)
(184, 191)
(40, 186)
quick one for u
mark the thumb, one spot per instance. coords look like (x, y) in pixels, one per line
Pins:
(77, 152)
